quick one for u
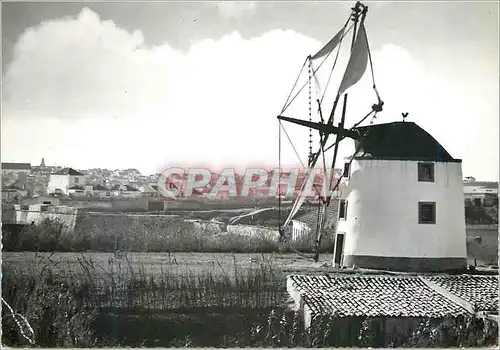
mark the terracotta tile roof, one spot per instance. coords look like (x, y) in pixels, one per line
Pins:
(311, 217)
(480, 291)
(354, 295)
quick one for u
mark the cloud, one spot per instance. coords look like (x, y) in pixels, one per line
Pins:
(85, 93)
(108, 100)
(236, 9)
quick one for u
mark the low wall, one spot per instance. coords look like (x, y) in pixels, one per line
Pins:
(130, 225)
(21, 214)
(88, 204)
(472, 228)
(41, 200)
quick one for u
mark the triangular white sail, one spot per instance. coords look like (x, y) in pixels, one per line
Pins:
(357, 62)
(330, 46)
(301, 199)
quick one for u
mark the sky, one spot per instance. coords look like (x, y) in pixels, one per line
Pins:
(152, 85)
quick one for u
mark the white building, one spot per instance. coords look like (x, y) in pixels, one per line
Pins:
(125, 191)
(402, 205)
(481, 193)
(148, 190)
(63, 180)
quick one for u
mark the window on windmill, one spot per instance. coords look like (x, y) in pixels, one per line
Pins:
(343, 209)
(426, 172)
(347, 167)
(426, 212)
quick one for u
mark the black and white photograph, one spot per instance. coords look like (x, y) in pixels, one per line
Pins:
(266, 174)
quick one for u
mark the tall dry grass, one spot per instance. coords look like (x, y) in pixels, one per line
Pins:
(131, 234)
(62, 306)
(125, 306)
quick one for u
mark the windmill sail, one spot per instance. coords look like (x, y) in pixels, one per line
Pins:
(302, 198)
(330, 46)
(357, 62)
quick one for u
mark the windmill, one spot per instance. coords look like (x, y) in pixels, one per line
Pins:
(404, 190)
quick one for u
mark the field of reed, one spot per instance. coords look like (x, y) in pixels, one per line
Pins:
(108, 234)
(51, 306)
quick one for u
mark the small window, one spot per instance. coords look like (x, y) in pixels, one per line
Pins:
(426, 172)
(46, 202)
(426, 212)
(77, 180)
(347, 167)
(343, 209)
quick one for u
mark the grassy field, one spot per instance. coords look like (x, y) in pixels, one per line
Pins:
(156, 263)
(83, 299)
(196, 300)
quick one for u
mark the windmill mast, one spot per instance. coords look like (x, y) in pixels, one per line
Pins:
(359, 10)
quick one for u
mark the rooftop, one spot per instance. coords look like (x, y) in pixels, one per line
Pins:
(311, 217)
(486, 184)
(400, 141)
(68, 171)
(391, 296)
(99, 188)
(480, 291)
(16, 166)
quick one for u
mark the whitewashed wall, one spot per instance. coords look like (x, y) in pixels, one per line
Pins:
(58, 182)
(382, 213)
(36, 213)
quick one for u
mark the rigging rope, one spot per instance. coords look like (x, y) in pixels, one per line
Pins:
(279, 187)
(291, 143)
(298, 157)
(310, 111)
(331, 71)
(376, 107)
(294, 85)
(315, 70)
